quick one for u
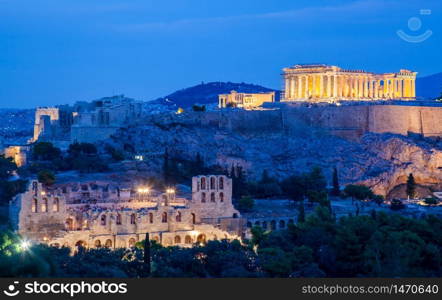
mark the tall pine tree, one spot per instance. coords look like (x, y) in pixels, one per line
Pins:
(336, 191)
(411, 186)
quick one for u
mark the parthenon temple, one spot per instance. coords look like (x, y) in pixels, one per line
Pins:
(323, 83)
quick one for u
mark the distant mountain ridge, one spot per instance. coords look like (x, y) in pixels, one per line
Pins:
(207, 93)
(429, 87)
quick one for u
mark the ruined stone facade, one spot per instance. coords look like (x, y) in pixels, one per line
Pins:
(245, 100)
(323, 83)
(95, 214)
(52, 123)
(19, 154)
(84, 121)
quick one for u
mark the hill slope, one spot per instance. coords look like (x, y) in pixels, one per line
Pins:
(207, 93)
(429, 87)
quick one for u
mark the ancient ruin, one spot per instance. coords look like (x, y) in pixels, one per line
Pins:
(324, 83)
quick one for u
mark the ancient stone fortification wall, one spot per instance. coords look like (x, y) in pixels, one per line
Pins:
(346, 121)
(92, 134)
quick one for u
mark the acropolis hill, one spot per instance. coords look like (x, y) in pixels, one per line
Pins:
(366, 124)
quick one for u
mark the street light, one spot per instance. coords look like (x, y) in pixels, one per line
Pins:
(25, 245)
(142, 191)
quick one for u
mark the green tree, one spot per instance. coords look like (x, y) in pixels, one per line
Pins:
(336, 191)
(239, 182)
(358, 192)
(245, 204)
(45, 151)
(301, 212)
(46, 177)
(411, 186)
(147, 257)
(7, 167)
(266, 187)
(299, 187)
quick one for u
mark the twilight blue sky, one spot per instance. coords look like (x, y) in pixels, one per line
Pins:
(58, 51)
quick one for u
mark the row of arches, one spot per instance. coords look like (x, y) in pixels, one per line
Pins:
(44, 205)
(272, 224)
(212, 197)
(211, 184)
(150, 218)
(177, 240)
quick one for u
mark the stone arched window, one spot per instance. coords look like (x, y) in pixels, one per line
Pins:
(118, 221)
(70, 224)
(44, 205)
(221, 183)
(203, 197)
(34, 205)
(273, 225)
(56, 205)
(221, 197)
(201, 239)
(203, 183)
(281, 224)
(132, 219)
(235, 216)
(97, 244)
(193, 218)
(103, 220)
(81, 244)
(178, 217)
(108, 243)
(188, 239)
(132, 242)
(264, 225)
(212, 183)
(212, 197)
(177, 239)
(164, 217)
(151, 218)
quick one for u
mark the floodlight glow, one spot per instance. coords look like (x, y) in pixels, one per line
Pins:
(25, 245)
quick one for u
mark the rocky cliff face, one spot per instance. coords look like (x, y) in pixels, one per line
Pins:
(381, 161)
(404, 156)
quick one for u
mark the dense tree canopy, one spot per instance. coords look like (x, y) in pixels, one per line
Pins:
(380, 245)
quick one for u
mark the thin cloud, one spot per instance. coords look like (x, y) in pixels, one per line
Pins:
(353, 11)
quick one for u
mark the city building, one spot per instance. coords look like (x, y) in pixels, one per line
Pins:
(244, 100)
(323, 83)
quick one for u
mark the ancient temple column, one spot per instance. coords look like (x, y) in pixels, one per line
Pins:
(399, 87)
(326, 94)
(367, 86)
(405, 87)
(376, 89)
(370, 89)
(335, 86)
(360, 87)
(385, 89)
(292, 88)
(355, 87)
(287, 88)
(298, 84)
(329, 87)
(413, 88)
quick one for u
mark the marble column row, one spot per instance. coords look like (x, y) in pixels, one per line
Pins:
(347, 86)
